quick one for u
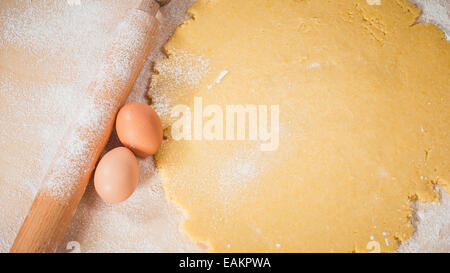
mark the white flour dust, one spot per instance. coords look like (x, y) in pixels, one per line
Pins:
(71, 39)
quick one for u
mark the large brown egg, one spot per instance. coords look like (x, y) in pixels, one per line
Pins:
(117, 175)
(139, 128)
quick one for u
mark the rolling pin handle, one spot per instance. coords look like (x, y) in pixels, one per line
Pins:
(149, 6)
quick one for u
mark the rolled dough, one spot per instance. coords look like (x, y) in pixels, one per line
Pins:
(364, 120)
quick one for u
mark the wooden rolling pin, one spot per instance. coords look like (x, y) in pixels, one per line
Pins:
(65, 182)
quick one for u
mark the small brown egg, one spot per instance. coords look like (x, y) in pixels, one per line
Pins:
(117, 175)
(139, 128)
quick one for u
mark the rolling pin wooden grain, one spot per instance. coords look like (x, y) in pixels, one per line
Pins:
(50, 213)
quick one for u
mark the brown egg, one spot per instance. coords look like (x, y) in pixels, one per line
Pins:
(139, 128)
(117, 175)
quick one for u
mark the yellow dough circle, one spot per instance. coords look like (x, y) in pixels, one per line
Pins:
(363, 94)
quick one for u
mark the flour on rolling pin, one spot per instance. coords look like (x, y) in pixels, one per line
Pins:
(49, 33)
(61, 33)
(69, 173)
(96, 114)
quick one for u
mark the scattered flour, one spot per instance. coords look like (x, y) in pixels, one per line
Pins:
(436, 12)
(246, 164)
(432, 226)
(180, 60)
(71, 38)
(186, 70)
